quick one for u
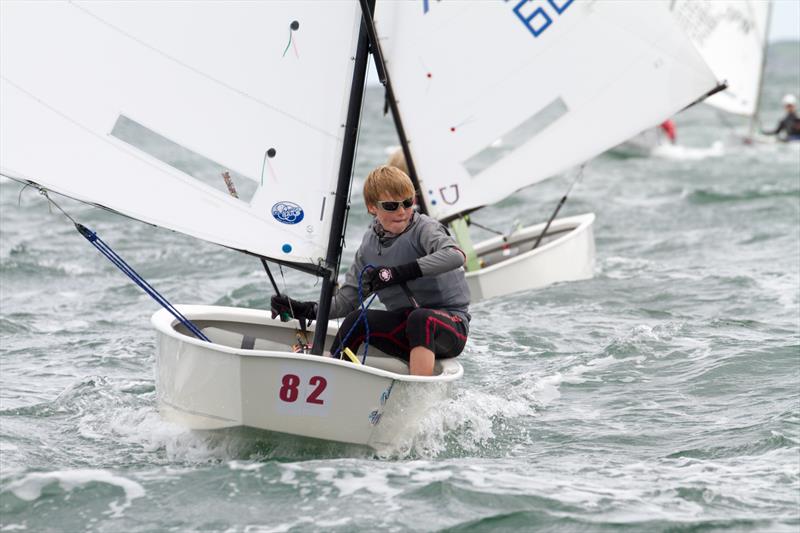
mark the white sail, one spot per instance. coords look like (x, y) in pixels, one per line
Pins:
(731, 36)
(257, 88)
(496, 96)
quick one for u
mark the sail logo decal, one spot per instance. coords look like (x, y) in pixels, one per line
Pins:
(287, 212)
(532, 13)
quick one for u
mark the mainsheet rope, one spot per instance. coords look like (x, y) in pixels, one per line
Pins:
(361, 316)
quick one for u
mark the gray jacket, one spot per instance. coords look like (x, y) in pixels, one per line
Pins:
(442, 285)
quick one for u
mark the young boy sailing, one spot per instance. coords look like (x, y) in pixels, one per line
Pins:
(411, 255)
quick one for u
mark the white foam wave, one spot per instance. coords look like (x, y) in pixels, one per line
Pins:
(245, 466)
(468, 418)
(546, 389)
(30, 487)
(678, 152)
(574, 375)
(145, 427)
(8, 447)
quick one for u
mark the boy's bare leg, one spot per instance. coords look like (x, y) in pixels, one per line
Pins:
(421, 361)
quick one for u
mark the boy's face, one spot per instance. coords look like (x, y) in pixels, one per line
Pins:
(393, 221)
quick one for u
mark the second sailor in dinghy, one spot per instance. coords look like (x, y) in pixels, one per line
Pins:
(415, 267)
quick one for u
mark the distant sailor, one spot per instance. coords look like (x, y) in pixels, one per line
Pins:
(415, 261)
(668, 127)
(789, 127)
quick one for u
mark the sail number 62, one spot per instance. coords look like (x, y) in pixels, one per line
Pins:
(290, 389)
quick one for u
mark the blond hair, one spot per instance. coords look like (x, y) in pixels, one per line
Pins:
(389, 181)
(398, 159)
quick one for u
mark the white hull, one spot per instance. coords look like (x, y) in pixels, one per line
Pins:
(566, 253)
(760, 138)
(216, 385)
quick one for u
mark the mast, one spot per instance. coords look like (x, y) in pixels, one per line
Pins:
(754, 117)
(341, 200)
(383, 76)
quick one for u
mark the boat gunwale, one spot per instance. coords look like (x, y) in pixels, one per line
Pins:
(165, 323)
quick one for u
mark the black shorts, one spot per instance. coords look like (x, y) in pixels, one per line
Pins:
(396, 332)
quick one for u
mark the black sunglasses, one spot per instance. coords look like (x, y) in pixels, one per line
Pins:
(392, 205)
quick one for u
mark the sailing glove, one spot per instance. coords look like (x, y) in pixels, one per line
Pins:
(284, 306)
(381, 277)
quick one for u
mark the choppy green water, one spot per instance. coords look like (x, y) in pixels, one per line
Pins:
(662, 395)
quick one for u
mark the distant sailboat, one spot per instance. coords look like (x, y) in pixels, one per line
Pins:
(494, 97)
(731, 36)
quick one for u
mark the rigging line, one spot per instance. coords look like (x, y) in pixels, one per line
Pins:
(303, 321)
(361, 316)
(120, 263)
(263, 166)
(19, 197)
(287, 44)
(126, 269)
(471, 222)
(43, 192)
(271, 279)
(558, 207)
(280, 268)
(289, 300)
(200, 73)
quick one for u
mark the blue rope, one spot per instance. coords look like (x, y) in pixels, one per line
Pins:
(362, 316)
(120, 263)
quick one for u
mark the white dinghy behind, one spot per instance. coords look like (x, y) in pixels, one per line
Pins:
(566, 253)
(492, 97)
